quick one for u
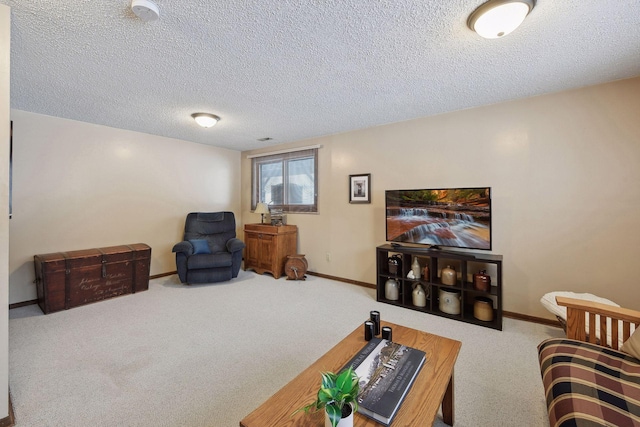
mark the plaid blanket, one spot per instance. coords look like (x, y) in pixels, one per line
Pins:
(588, 385)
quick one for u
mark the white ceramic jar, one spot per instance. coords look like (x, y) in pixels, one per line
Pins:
(415, 267)
(391, 290)
(419, 297)
(449, 301)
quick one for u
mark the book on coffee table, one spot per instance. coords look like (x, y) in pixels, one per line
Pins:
(386, 371)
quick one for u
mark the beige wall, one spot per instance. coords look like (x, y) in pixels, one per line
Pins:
(79, 185)
(564, 171)
(5, 49)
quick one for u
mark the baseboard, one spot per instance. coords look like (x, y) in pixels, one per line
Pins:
(22, 304)
(156, 276)
(9, 420)
(532, 319)
(35, 301)
(340, 279)
(512, 315)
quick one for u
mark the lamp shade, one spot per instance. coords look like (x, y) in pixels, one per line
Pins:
(205, 120)
(262, 208)
(497, 18)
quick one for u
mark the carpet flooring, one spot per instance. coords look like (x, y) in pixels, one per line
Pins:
(207, 355)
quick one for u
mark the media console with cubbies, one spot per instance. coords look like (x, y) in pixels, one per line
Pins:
(465, 264)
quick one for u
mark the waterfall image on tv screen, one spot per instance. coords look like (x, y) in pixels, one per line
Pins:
(454, 217)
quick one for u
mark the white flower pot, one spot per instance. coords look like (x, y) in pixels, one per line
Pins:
(344, 422)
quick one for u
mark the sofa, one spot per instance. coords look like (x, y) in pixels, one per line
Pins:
(586, 383)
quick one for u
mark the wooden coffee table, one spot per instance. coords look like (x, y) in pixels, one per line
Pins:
(433, 386)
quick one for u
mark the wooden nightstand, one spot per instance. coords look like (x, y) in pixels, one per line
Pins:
(267, 247)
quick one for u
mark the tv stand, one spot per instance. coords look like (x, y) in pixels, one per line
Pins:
(466, 264)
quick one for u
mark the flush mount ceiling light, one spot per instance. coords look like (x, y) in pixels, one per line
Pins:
(146, 10)
(205, 120)
(497, 18)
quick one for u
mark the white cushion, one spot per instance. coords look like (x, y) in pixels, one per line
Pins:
(549, 302)
(632, 345)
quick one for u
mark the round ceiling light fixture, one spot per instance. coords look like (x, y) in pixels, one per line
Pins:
(205, 120)
(497, 18)
(146, 10)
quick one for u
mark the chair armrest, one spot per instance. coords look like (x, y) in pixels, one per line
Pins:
(620, 323)
(186, 247)
(235, 245)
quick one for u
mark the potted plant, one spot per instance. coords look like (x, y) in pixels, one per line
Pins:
(337, 395)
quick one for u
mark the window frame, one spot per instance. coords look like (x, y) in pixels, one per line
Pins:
(284, 158)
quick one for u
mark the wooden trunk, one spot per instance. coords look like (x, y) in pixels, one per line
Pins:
(69, 279)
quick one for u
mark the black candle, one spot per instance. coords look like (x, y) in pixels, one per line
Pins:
(386, 333)
(374, 316)
(368, 330)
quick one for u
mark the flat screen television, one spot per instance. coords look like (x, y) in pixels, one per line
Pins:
(452, 217)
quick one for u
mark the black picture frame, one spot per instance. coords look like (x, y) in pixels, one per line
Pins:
(360, 188)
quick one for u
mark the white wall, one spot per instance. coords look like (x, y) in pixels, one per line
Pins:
(78, 185)
(564, 170)
(5, 49)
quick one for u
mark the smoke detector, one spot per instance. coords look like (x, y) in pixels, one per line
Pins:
(145, 10)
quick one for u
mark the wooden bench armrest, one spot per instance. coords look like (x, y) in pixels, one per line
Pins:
(578, 310)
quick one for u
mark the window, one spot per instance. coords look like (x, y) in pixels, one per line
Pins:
(286, 181)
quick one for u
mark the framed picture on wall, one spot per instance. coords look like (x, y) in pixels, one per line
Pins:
(360, 188)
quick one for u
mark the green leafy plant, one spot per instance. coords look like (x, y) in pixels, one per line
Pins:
(336, 391)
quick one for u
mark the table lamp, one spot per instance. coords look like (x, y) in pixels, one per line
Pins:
(262, 209)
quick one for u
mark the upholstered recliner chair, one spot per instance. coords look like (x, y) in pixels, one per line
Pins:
(210, 251)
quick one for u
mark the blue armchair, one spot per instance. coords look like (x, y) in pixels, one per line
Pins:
(210, 251)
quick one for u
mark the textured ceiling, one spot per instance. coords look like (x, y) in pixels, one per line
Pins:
(293, 70)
